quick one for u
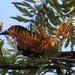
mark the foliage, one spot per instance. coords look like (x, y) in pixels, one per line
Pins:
(49, 18)
(48, 14)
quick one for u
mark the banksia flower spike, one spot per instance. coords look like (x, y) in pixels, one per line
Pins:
(63, 31)
(31, 42)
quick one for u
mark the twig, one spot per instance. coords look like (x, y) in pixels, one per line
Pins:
(62, 59)
(17, 67)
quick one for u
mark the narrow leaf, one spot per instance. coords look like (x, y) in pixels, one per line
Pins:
(18, 3)
(21, 9)
(28, 5)
(67, 43)
(5, 52)
(21, 19)
(24, 10)
(32, 1)
(1, 43)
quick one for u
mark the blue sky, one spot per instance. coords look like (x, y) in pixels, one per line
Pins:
(7, 9)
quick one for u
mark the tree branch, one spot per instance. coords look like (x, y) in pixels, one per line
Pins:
(17, 67)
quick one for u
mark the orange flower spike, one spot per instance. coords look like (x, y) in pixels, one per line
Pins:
(50, 41)
(57, 34)
(36, 43)
(68, 22)
(60, 28)
(68, 28)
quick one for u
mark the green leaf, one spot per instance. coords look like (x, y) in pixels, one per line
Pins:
(67, 43)
(24, 11)
(28, 5)
(24, 3)
(32, 11)
(32, 1)
(5, 52)
(1, 43)
(21, 9)
(21, 19)
(18, 3)
(12, 59)
(68, 7)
